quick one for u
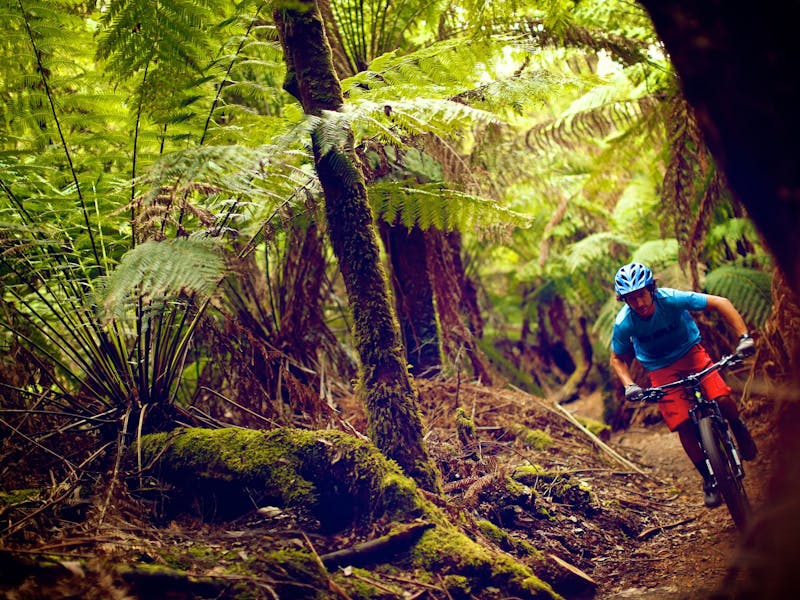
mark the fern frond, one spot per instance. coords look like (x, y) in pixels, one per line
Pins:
(394, 122)
(582, 127)
(437, 205)
(657, 254)
(592, 251)
(168, 34)
(748, 289)
(155, 272)
(225, 183)
(439, 70)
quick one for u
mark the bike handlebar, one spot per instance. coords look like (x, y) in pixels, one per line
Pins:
(654, 394)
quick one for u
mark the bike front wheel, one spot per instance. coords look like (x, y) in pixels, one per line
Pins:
(729, 483)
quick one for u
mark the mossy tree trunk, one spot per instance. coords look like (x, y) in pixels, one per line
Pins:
(393, 417)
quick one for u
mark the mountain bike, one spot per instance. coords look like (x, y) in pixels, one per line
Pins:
(721, 453)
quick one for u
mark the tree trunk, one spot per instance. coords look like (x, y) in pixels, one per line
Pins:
(459, 317)
(414, 299)
(738, 69)
(393, 417)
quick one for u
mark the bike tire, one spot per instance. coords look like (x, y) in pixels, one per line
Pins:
(722, 462)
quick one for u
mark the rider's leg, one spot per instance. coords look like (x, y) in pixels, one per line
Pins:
(691, 445)
(690, 442)
(747, 447)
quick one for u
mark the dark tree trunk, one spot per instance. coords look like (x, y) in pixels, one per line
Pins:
(341, 63)
(393, 417)
(458, 315)
(414, 299)
(738, 69)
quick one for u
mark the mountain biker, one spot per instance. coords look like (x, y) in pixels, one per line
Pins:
(655, 327)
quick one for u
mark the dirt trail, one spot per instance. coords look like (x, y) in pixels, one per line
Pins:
(689, 557)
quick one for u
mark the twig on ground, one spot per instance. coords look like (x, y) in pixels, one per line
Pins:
(648, 532)
(376, 549)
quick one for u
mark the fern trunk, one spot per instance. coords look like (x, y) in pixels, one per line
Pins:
(393, 417)
(414, 299)
(456, 303)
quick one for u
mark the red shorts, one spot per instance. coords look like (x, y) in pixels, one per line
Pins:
(674, 406)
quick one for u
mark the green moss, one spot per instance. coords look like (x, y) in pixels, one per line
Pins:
(465, 426)
(529, 474)
(492, 531)
(561, 487)
(197, 556)
(458, 587)
(517, 493)
(525, 548)
(335, 476)
(356, 583)
(596, 427)
(533, 438)
(447, 551)
(300, 6)
(507, 542)
(574, 492)
(348, 479)
(11, 497)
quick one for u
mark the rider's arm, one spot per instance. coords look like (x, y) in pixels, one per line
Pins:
(619, 365)
(728, 311)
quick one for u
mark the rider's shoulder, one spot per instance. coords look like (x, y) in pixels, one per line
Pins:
(673, 293)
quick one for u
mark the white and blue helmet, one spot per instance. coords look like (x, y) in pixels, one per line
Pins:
(631, 277)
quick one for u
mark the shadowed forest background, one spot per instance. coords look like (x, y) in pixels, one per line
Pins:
(243, 215)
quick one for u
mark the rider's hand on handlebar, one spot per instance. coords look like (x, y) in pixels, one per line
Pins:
(746, 347)
(633, 393)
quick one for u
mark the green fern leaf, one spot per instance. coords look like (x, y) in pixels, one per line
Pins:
(154, 272)
(748, 289)
(657, 254)
(591, 251)
(436, 205)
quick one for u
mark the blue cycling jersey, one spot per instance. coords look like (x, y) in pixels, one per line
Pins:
(667, 335)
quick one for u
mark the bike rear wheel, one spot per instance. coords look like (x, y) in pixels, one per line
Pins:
(724, 466)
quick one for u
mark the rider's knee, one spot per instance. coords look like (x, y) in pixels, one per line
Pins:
(728, 407)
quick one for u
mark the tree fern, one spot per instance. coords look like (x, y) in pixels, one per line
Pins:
(440, 206)
(748, 289)
(163, 45)
(592, 251)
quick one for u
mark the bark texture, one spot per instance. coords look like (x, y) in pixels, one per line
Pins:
(393, 417)
(414, 299)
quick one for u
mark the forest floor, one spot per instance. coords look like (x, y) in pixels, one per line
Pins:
(691, 556)
(624, 516)
(652, 537)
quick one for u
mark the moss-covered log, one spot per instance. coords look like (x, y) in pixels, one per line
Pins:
(342, 481)
(330, 476)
